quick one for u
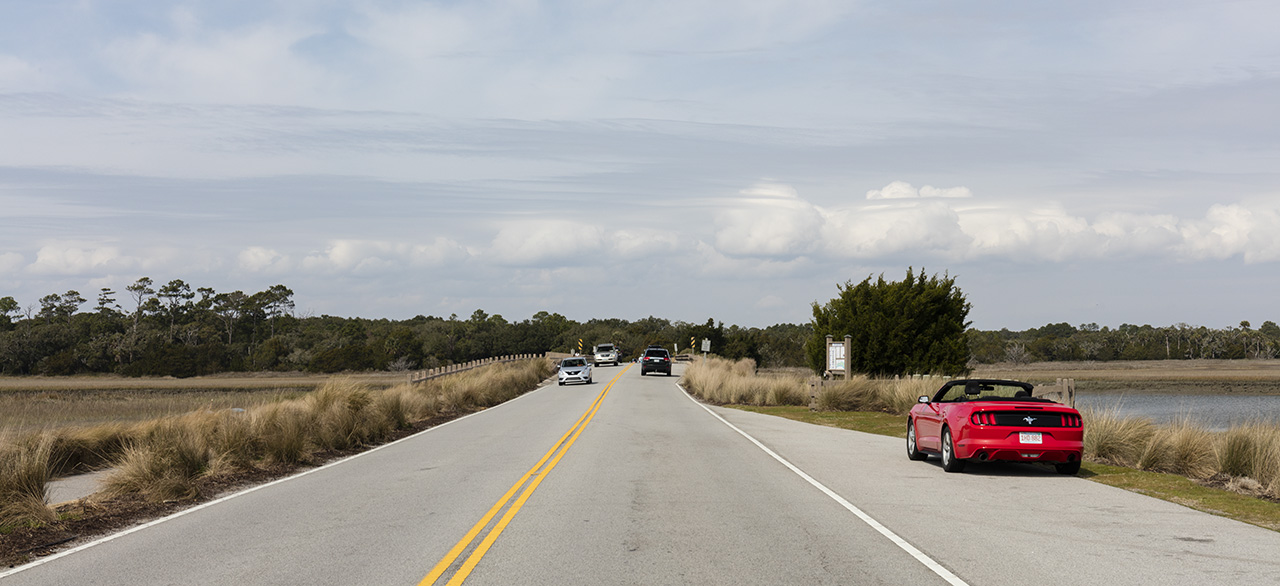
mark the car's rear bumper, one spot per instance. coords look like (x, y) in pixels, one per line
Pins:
(1057, 445)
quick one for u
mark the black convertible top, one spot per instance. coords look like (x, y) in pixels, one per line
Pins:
(975, 386)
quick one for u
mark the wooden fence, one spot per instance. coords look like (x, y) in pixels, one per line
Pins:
(418, 376)
(1063, 392)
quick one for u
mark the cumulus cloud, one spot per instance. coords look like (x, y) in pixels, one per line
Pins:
(1252, 233)
(544, 241)
(873, 231)
(629, 243)
(904, 190)
(772, 221)
(259, 259)
(769, 220)
(375, 256)
(78, 259)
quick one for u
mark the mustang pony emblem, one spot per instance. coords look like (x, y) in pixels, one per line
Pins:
(1029, 419)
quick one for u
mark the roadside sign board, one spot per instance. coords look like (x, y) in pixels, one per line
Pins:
(835, 356)
(706, 345)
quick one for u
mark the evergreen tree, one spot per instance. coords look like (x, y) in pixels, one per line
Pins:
(916, 325)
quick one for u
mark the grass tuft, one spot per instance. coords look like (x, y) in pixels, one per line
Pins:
(1182, 447)
(166, 461)
(1111, 438)
(167, 458)
(24, 478)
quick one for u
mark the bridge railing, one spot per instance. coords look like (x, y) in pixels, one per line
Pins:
(418, 376)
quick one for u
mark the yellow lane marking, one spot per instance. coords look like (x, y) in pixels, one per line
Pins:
(538, 473)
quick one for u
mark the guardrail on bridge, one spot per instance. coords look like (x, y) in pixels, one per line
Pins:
(418, 376)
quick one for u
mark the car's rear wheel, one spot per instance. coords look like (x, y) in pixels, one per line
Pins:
(950, 462)
(913, 451)
(1068, 467)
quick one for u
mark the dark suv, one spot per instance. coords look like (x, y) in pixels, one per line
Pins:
(655, 359)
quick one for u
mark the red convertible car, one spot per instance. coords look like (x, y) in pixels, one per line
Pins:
(994, 421)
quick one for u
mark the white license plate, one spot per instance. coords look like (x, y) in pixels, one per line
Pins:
(1030, 437)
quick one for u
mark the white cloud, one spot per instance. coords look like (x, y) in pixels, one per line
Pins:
(251, 65)
(909, 226)
(10, 262)
(768, 220)
(259, 259)
(1252, 233)
(78, 259)
(904, 190)
(375, 256)
(773, 221)
(631, 243)
(947, 192)
(544, 241)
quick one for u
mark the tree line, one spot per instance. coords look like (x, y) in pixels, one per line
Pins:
(918, 325)
(176, 329)
(1064, 342)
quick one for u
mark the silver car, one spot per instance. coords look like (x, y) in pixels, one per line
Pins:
(606, 353)
(575, 369)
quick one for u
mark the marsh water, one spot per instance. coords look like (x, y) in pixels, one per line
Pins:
(1215, 411)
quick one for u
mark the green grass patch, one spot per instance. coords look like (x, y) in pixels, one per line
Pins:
(1188, 493)
(868, 421)
(1167, 487)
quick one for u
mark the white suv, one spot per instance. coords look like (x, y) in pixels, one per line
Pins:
(606, 353)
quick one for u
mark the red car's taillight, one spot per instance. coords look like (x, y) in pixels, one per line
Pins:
(1072, 421)
(983, 418)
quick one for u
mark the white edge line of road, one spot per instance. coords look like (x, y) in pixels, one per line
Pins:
(920, 556)
(135, 529)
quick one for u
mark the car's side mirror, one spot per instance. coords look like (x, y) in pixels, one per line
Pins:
(923, 399)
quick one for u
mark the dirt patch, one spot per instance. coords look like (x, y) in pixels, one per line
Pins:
(95, 516)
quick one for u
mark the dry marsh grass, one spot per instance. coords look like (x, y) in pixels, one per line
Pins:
(727, 382)
(168, 457)
(1251, 451)
(24, 474)
(1115, 439)
(1245, 457)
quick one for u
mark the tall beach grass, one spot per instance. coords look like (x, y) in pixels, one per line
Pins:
(1245, 457)
(727, 382)
(170, 457)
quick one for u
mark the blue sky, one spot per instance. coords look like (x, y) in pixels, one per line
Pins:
(1109, 162)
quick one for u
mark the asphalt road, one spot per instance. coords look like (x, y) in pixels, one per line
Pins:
(656, 489)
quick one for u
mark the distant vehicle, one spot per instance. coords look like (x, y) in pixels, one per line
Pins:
(655, 359)
(575, 369)
(606, 353)
(994, 421)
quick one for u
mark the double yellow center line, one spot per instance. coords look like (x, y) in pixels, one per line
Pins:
(529, 482)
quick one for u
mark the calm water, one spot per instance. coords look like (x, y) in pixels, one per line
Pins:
(1217, 412)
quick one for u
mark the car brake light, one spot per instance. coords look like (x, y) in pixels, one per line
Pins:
(983, 418)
